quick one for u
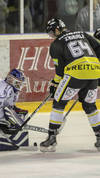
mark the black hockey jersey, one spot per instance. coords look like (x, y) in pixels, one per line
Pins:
(76, 54)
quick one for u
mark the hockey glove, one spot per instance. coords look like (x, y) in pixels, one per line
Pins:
(97, 33)
(12, 118)
(21, 112)
(53, 87)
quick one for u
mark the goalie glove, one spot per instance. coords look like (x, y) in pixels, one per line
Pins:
(12, 118)
(21, 112)
(97, 33)
(53, 87)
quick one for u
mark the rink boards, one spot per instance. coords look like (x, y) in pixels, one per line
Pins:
(31, 106)
(30, 53)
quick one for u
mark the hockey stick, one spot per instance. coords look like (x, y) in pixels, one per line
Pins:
(35, 128)
(43, 102)
(64, 119)
(43, 130)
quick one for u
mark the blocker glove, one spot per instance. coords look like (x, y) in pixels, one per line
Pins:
(53, 87)
(97, 33)
(21, 112)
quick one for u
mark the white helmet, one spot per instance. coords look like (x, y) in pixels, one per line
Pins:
(16, 79)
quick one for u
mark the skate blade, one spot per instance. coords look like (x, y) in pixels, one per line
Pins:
(51, 148)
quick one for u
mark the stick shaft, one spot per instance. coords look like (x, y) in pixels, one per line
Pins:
(70, 109)
(64, 119)
(44, 101)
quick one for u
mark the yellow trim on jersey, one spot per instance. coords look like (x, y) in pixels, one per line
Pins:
(94, 125)
(55, 61)
(56, 122)
(57, 78)
(93, 114)
(84, 59)
(64, 88)
(58, 111)
(84, 68)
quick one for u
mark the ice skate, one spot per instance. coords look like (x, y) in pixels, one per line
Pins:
(49, 145)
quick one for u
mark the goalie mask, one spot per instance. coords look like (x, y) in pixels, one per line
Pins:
(16, 79)
(55, 24)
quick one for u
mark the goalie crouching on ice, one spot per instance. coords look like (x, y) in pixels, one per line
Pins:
(10, 116)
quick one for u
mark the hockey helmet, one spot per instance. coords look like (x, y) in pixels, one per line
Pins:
(16, 78)
(55, 23)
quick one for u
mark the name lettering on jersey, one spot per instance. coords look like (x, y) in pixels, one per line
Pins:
(72, 36)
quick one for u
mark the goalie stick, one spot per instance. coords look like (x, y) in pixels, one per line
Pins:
(12, 118)
(43, 102)
(41, 129)
(24, 126)
(35, 128)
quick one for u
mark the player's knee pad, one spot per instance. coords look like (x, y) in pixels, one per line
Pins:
(89, 107)
(59, 105)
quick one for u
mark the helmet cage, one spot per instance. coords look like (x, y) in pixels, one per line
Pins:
(16, 78)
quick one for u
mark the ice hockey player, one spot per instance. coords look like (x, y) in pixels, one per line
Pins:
(9, 113)
(77, 70)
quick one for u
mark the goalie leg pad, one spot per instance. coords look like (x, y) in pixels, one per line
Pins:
(21, 138)
(5, 145)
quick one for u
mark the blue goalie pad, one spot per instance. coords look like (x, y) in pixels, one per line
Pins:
(5, 145)
(20, 139)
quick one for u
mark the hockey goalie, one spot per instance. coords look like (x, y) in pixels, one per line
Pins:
(11, 117)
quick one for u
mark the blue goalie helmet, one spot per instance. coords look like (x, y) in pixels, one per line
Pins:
(16, 78)
(55, 23)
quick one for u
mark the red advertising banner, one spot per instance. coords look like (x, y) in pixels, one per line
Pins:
(32, 56)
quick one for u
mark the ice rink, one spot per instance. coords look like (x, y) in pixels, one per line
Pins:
(76, 156)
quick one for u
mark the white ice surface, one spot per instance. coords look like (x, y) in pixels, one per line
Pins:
(75, 157)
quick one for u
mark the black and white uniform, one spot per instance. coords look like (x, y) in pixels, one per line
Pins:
(77, 67)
